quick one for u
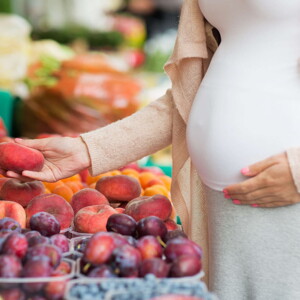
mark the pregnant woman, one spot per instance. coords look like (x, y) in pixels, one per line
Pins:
(239, 111)
(247, 109)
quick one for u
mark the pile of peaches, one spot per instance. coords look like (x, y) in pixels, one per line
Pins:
(82, 202)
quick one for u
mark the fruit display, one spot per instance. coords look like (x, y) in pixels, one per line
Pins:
(117, 225)
(132, 249)
(31, 260)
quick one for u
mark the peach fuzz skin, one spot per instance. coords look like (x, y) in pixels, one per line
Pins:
(92, 219)
(13, 210)
(17, 158)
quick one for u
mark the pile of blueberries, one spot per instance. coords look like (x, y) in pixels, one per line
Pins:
(138, 289)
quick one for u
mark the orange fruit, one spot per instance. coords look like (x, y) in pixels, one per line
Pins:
(75, 186)
(131, 172)
(52, 185)
(145, 177)
(154, 181)
(115, 172)
(92, 179)
(166, 180)
(64, 191)
(156, 189)
(75, 177)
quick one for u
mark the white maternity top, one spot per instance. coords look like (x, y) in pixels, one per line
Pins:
(247, 107)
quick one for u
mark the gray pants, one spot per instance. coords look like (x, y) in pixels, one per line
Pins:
(254, 253)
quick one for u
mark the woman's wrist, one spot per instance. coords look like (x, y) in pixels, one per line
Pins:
(83, 153)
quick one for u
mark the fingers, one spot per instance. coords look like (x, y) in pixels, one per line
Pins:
(12, 174)
(250, 185)
(273, 204)
(258, 167)
(37, 144)
(42, 176)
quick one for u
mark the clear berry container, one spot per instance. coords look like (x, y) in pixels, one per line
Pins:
(51, 287)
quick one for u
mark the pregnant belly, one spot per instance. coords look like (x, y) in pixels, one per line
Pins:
(230, 128)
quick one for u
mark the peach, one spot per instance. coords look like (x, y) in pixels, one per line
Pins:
(120, 210)
(144, 206)
(21, 192)
(13, 210)
(6, 139)
(84, 174)
(87, 197)
(18, 158)
(53, 204)
(119, 187)
(171, 225)
(92, 219)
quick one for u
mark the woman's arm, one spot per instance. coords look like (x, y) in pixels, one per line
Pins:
(131, 138)
(104, 149)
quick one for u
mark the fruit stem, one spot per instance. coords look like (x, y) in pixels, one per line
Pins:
(161, 241)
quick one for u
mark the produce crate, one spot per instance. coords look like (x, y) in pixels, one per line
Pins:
(7, 106)
(16, 288)
(134, 289)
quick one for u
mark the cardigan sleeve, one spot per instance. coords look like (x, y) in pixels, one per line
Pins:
(293, 155)
(127, 140)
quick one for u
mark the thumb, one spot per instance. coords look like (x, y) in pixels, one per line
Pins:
(258, 167)
(37, 144)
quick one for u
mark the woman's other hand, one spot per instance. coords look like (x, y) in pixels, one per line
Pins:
(270, 184)
(64, 157)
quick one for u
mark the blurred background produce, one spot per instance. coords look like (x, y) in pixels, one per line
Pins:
(68, 66)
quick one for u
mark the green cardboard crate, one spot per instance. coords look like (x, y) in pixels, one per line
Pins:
(7, 107)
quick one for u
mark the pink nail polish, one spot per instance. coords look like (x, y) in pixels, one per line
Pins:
(236, 202)
(254, 205)
(226, 196)
(245, 171)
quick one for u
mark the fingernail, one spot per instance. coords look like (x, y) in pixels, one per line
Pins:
(226, 195)
(236, 202)
(18, 139)
(245, 171)
(254, 205)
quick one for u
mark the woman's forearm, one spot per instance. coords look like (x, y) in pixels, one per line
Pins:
(131, 138)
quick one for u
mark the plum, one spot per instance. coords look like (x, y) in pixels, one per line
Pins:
(185, 265)
(45, 223)
(50, 251)
(181, 246)
(10, 224)
(149, 247)
(16, 244)
(103, 271)
(155, 266)
(61, 242)
(126, 260)
(36, 240)
(122, 224)
(172, 234)
(10, 266)
(151, 226)
(36, 267)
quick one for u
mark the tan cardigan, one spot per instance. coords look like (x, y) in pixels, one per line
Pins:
(164, 122)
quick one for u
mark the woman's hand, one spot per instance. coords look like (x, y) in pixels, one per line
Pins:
(64, 157)
(270, 185)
